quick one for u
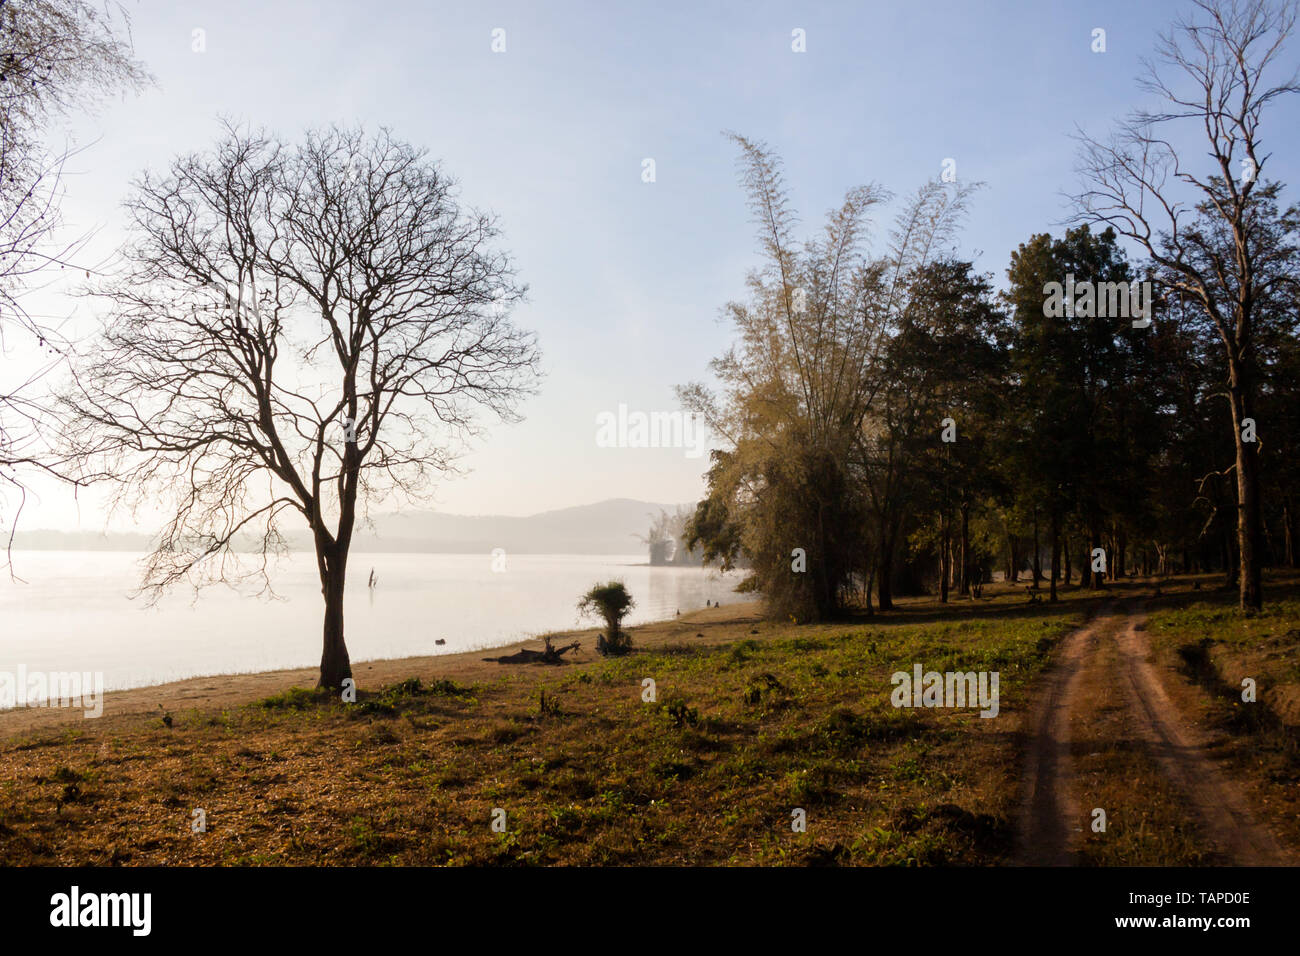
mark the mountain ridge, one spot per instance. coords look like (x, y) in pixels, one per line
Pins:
(611, 526)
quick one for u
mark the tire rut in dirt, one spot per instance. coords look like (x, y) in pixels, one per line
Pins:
(1048, 805)
(1221, 809)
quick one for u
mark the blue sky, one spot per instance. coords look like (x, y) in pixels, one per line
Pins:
(627, 278)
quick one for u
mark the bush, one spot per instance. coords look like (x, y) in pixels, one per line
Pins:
(296, 698)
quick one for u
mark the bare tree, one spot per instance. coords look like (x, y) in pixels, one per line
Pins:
(55, 56)
(1216, 73)
(296, 329)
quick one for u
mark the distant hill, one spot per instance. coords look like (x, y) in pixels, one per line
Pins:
(80, 541)
(606, 527)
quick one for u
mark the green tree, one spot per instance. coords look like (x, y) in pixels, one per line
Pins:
(952, 324)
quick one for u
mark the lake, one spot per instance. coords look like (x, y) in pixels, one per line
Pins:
(74, 610)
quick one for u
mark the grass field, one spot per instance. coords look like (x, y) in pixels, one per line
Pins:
(741, 734)
(746, 728)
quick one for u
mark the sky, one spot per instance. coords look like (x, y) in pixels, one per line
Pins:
(627, 278)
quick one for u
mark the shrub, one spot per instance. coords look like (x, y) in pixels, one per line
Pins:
(611, 602)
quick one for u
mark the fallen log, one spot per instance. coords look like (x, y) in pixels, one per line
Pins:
(551, 655)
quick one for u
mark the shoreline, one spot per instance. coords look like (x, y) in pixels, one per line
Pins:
(221, 691)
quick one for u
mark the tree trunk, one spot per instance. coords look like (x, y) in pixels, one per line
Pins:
(1288, 533)
(884, 589)
(1225, 556)
(868, 580)
(335, 667)
(1248, 514)
(965, 550)
(1094, 536)
(1056, 552)
(943, 559)
(1038, 568)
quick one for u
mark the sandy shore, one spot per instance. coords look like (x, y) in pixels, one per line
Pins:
(705, 626)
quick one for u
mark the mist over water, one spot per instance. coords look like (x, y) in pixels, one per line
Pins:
(73, 610)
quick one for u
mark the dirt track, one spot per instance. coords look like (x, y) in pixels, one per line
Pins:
(1051, 822)
(1049, 813)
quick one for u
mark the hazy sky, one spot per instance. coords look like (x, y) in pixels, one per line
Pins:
(627, 278)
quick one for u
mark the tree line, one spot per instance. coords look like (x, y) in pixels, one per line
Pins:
(893, 423)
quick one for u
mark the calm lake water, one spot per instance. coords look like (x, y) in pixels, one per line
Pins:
(74, 611)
